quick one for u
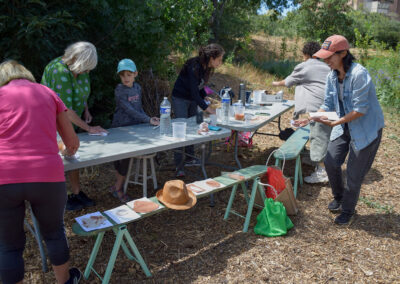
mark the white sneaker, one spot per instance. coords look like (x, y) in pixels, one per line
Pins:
(319, 176)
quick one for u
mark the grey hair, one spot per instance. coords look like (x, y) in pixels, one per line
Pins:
(80, 57)
(12, 70)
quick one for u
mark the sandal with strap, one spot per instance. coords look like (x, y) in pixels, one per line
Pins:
(118, 193)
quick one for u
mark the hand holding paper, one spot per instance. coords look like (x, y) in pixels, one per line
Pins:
(330, 115)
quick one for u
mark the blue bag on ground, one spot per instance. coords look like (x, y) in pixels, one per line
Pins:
(273, 220)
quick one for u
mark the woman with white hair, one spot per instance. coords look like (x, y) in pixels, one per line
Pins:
(32, 170)
(68, 76)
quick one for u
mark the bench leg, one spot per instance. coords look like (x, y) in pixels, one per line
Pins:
(300, 172)
(137, 254)
(113, 256)
(93, 255)
(278, 163)
(231, 198)
(296, 175)
(250, 205)
(246, 195)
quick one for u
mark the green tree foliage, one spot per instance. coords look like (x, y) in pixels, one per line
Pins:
(377, 27)
(231, 21)
(318, 19)
(34, 32)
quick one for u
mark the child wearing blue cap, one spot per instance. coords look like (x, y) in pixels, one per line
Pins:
(128, 111)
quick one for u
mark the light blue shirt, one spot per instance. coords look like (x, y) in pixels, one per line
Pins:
(358, 95)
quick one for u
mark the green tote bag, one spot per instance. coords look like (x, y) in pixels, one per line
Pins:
(273, 220)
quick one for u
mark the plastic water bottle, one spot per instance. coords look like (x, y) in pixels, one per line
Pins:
(165, 117)
(226, 102)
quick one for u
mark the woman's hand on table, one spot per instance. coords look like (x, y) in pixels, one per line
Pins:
(154, 121)
(96, 129)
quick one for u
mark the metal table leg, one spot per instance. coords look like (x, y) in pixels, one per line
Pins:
(36, 233)
(236, 149)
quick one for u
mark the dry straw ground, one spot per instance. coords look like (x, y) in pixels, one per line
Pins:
(198, 246)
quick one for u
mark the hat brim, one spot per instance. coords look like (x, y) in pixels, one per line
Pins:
(189, 204)
(323, 54)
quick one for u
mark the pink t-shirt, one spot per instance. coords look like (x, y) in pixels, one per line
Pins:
(28, 133)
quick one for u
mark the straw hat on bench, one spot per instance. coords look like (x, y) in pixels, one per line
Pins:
(176, 196)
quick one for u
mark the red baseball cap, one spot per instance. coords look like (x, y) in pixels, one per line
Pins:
(331, 45)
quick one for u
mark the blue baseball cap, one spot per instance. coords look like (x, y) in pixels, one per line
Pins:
(126, 64)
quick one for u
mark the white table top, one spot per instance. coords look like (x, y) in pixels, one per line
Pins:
(131, 141)
(269, 113)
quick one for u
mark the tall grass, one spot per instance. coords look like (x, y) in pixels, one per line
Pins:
(384, 68)
(279, 68)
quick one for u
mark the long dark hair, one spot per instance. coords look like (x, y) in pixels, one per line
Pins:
(213, 50)
(347, 61)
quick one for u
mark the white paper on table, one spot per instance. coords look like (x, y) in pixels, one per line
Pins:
(99, 134)
(93, 221)
(122, 214)
(72, 157)
(331, 115)
(131, 204)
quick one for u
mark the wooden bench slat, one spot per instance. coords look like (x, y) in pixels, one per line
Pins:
(294, 145)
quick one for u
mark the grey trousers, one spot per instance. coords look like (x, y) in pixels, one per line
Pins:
(319, 139)
(358, 165)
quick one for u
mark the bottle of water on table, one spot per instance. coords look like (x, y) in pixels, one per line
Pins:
(226, 102)
(165, 117)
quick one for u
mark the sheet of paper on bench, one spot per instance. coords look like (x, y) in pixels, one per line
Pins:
(103, 224)
(122, 214)
(203, 185)
(331, 115)
(131, 204)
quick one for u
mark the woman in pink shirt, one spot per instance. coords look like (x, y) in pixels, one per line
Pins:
(32, 170)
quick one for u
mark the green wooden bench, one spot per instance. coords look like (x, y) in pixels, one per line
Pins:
(291, 149)
(124, 240)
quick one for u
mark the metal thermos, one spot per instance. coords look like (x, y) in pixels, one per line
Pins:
(199, 115)
(242, 93)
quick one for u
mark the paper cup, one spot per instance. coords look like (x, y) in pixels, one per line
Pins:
(179, 130)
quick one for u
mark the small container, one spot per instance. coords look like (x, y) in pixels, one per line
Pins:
(179, 130)
(248, 117)
(239, 111)
(213, 119)
(218, 111)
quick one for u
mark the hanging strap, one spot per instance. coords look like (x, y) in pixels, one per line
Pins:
(270, 186)
(283, 155)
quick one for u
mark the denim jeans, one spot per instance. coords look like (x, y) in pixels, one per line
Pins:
(358, 165)
(183, 109)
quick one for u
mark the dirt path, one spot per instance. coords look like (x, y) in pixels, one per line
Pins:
(198, 246)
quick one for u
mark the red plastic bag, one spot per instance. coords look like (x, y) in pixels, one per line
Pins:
(275, 178)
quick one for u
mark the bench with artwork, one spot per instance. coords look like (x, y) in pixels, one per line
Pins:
(290, 150)
(116, 220)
